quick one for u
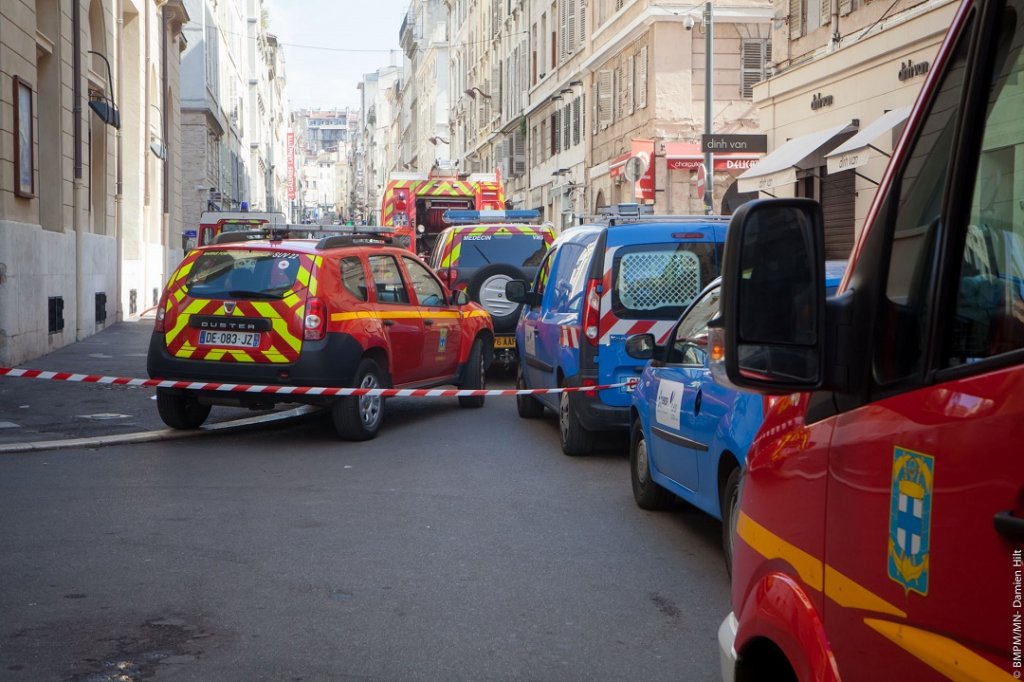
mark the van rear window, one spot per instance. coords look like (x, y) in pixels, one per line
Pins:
(242, 273)
(658, 281)
(524, 250)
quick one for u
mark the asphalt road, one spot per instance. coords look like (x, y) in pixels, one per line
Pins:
(458, 545)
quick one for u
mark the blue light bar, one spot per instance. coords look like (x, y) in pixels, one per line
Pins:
(463, 217)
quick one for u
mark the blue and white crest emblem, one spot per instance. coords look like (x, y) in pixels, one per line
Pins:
(910, 519)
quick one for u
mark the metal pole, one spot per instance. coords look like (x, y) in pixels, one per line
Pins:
(709, 46)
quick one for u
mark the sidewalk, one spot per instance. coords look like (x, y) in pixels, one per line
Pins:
(34, 410)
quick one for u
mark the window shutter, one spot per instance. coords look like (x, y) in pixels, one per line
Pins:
(605, 99)
(570, 26)
(845, 7)
(555, 132)
(617, 93)
(825, 12)
(563, 30)
(495, 91)
(567, 126)
(796, 18)
(641, 93)
(581, 22)
(630, 66)
(518, 153)
(752, 65)
(576, 123)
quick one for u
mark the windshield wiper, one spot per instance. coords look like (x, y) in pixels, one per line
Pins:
(242, 293)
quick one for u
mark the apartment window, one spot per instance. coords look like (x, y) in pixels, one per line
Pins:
(576, 122)
(567, 126)
(755, 54)
(556, 131)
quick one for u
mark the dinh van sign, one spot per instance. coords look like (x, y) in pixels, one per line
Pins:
(909, 69)
(820, 101)
(756, 144)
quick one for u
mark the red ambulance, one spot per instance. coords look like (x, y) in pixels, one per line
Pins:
(881, 518)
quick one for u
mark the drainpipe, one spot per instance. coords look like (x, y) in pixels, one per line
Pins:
(119, 183)
(76, 203)
(833, 43)
(165, 140)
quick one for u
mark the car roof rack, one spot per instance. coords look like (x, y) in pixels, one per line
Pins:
(468, 217)
(363, 236)
(276, 233)
(631, 214)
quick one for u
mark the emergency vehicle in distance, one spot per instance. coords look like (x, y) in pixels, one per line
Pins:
(212, 223)
(413, 199)
(881, 520)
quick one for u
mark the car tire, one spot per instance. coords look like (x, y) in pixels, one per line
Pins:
(527, 405)
(180, 410)
(487, 287)
(475, 376)
(359, 417)
(648, 494)
(575, 439)
(730, 502)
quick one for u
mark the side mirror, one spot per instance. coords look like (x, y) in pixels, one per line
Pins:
(770, 335)
(460, 298)
(640, 346)
(516, 291)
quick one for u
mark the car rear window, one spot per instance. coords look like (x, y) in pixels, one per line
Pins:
(524, 250)
(658, 281)
(242, 273)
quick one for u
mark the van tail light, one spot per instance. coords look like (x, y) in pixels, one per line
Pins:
(161, 312)
(592, 312)
(314, 323)
(590, 382)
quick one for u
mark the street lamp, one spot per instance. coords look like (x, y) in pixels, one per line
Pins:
(709, 173)
(437, 139)
(474, 91)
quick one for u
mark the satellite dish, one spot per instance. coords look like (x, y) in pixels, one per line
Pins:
(635, 168)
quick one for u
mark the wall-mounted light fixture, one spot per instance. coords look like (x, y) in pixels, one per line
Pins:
(566, 91)
(556, 98)
(576, 84)
(437, 139)
(474, 91)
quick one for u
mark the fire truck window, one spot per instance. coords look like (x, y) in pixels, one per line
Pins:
(428, 289)
(387, 280)
(989, 317)
(353, 277)
(910, 289)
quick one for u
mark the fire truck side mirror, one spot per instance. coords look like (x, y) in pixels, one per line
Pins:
(773, 297)
(460, 298)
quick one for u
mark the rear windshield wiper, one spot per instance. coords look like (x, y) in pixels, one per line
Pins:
(242, 293)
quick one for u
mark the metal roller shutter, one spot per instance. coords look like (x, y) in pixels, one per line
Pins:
(837, 202)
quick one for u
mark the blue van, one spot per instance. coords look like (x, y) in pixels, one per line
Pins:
(689, 435)
(597, 285)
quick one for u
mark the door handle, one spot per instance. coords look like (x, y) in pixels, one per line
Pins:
(1009, 526)
(389, 323)
(428, 322)
(696, 402)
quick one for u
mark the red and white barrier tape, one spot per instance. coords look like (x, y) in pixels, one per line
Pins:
(292, 390)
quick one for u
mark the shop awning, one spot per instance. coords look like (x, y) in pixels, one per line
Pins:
(688, 155)
(856, 151)
(779, 167)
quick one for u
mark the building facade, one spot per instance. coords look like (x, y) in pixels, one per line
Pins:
(90, 186)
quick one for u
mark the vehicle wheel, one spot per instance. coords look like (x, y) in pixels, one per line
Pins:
(527, 405)
(487, 287)
(576, 440)
(180, 410)
(475, 377)
(730, 513)
(648, 494)
(360, 417)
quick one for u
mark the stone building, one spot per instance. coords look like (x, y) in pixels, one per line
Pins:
(90, 174)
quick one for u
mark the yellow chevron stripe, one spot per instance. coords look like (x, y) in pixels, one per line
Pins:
(945, 655)
(264, 309)
(183, 271)
(182, 320)
(186, 350)
(849, 594)
(367, 315)
(281, 327)
(303, 275)
(771, 546)
(216, 354)
(241, 355)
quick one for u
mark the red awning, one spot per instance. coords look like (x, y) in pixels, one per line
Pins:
(688, 156)
(615, 168)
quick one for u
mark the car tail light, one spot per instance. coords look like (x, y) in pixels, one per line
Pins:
(590, 382)
(314, 323)
(592, 312)
(161, 312)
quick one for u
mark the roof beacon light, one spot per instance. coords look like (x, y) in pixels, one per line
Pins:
(460, 217)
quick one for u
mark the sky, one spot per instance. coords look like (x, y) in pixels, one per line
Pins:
(330, 44)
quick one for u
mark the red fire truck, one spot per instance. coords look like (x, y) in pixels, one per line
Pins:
(412, 200)
(880, 526)
(212, 223)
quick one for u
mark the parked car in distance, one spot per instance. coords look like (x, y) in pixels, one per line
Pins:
(347, 310)
(689, 435)
(597, 285)
(481, 253)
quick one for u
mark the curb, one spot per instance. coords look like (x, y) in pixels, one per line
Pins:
(162, 434)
